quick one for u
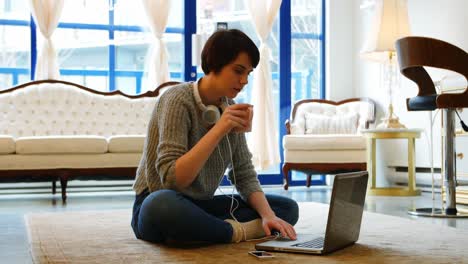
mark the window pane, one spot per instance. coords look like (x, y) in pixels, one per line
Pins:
(14, 9)
(98, 83)
(126, 85)
(14, 55)
(6, 80)
(131, 49)
(86, 11)
(306, 49)
(306, 16)
(14, 44)
(175, 47)
(305, 76)
(83, 53)
(176, 15)
(130, 12)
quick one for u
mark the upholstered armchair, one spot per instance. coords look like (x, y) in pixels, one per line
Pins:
(323, 137)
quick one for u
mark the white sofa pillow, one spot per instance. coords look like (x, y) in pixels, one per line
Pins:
(337, 124)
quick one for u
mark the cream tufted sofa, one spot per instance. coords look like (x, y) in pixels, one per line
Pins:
(323, 137)
(56, 130)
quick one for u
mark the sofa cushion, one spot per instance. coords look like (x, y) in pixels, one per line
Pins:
(325, 156)
(324, 142)
(126, 144)
(336, 124)
(7, 144)
(69, 161)
(61, 144)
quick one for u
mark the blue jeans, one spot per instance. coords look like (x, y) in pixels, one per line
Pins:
(167, 214)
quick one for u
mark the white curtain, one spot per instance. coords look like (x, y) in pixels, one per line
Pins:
(264, 138)
(46, 14)
(157, 12)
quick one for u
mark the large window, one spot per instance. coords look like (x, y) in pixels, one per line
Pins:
(306, 50)
(103, 44)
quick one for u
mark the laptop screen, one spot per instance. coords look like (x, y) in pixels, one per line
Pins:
(346, 209)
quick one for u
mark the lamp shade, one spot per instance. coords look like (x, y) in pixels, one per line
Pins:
(389, 23)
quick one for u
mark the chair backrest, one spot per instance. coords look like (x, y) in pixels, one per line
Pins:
(318, 116)
(416, 52)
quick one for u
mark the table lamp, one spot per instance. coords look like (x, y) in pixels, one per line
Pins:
(390, 22)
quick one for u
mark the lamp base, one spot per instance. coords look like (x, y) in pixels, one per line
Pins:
(390, 122)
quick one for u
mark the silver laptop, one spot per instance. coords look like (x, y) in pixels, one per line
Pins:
(343, 224)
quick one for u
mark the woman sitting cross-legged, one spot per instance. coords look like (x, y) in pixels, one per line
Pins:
(196, 132)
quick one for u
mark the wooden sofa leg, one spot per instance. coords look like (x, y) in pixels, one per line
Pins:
(285, 176)
(54, 186)
(309, 176)
(63, 185)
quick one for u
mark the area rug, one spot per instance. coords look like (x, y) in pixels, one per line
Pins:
(106, 237)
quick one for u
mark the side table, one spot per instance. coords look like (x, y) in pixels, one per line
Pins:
(372, 135)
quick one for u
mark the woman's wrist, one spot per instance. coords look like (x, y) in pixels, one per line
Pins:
(266, 215)
(220, 129)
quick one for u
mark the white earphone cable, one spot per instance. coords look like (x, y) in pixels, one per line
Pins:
(233, 208)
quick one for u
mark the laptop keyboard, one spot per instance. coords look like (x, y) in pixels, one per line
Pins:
(315, 243)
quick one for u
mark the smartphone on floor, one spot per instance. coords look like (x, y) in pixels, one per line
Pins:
(261, 254)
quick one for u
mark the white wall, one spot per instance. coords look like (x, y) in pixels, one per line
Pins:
(442, 19)
(339, 50)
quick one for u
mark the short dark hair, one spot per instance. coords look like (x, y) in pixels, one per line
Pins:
(224, 46)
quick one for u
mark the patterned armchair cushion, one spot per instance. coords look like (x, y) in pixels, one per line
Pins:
(335, 124)
(326, 117)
